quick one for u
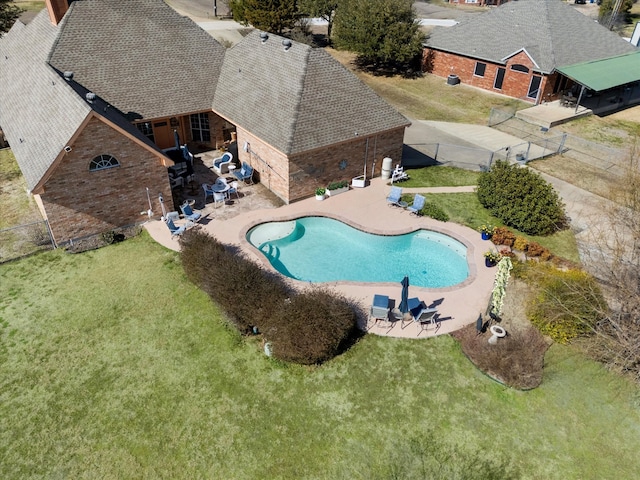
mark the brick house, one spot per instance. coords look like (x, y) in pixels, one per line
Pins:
(303, 120)
(87, 107)
(518, 48)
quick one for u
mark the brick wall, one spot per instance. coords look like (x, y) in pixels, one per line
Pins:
(298, 177)
(515, 84)
(79, 203)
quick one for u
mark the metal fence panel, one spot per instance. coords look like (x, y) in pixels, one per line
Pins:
(23, 240)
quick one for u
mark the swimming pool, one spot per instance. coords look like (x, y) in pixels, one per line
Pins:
(319, 249)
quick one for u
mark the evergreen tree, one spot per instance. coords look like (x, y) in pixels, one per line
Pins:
(8, 14)
(269, 15)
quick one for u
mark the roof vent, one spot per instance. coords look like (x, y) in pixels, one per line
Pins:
(264, 36)
(68, 76)
(90, 96)
(287, 44)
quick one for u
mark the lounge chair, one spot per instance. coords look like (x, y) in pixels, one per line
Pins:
(245, 174)
(175, 231)
(379, 309)
(417, 205)
(189, 214)
(221, 164)
(399, 174)
(424, 316)
(394, 196)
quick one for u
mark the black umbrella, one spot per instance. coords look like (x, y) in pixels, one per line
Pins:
(404, 304)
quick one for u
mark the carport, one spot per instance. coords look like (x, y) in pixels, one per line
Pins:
(602, 76)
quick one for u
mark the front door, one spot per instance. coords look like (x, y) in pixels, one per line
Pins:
(534, 87)
(163, 134)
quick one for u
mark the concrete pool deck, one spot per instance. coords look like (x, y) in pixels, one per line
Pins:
(367, 209)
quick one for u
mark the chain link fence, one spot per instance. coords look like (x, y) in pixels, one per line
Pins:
(23, 240)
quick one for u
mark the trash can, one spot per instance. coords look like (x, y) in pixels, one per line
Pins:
(453, 79)
(386, 168)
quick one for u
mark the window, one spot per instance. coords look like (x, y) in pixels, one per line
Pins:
(534, 87)
(102, 162)
(519, 68)
(480, 68)
(147, 130)
(497, 84)
(200, 131)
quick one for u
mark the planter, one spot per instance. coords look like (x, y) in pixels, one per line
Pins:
(358, 182)
(485, 235)
(319, 197)
(337, 191)
(489, 263)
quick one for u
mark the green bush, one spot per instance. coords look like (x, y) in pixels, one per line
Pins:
(521, 198)
(568, 303)
(312, 327)
(248, 293)
(432, 210)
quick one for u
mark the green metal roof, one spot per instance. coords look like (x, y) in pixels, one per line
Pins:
(599, 75)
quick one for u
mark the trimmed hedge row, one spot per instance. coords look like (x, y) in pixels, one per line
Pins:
(308, 328)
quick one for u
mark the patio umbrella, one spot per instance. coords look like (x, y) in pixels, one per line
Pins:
(404, 305)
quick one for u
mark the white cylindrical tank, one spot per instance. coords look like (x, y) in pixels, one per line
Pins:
(386, 168)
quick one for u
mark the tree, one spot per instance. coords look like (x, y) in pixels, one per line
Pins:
(614, 12)
(325, 9)
(269, 15)
(384, 33)
(8, 14)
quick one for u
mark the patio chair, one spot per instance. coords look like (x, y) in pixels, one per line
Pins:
(379, 309)
(233, 189)
(394, 196)
(219, 197)
(175, 230)
(189, 214)
(175, 182)
(221, 164)
(245, 174)
(417, 205)
(424, 316)
(208, 190)
(399, 174)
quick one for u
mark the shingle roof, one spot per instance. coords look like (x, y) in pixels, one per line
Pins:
(552, 32)
(140, 56)
(39, 111)
(299, 99)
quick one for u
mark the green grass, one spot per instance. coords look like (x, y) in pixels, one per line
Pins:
(440, 177)
(16, 206)
(114, 366)
(29, 5)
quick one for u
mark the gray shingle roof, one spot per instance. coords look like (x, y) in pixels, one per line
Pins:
(39, 111)
(554, 34)
(299, 99)
(140, 56)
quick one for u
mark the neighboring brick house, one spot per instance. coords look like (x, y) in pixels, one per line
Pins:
(517, 48)
(150, 74)
(303, 120)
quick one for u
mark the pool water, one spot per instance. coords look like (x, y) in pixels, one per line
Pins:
(319, 249)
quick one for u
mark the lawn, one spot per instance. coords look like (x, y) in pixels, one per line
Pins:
(114, 366)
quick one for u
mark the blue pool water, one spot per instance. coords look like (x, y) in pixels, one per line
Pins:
(319, 249)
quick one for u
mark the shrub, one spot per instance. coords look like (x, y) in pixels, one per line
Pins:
(312, 327)
(230, 279)
(516, 360)
(534, 249)
(521, 198)
(336, 185)
(432, 210)
(568, 303)
(503, 236)
(520, 243)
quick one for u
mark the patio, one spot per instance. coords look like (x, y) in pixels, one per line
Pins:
(364, 208)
